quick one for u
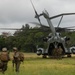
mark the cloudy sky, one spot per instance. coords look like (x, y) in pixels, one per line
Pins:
(15, 13)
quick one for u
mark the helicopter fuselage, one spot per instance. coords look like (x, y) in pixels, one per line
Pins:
(54, 40)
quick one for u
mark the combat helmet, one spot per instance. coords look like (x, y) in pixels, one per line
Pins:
(4, 49)
(15, 48)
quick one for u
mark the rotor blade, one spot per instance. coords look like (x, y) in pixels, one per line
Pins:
(39, 24)
(37, 16)
(10, 29)
(69, 27)
(34, 8)
(65, 28)
(61, 15)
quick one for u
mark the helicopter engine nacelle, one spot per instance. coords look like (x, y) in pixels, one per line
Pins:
(67, 39)
(40, 51)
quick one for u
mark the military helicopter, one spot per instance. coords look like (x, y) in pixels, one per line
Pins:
(54, 39)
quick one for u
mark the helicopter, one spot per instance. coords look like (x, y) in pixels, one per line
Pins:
(54, 39)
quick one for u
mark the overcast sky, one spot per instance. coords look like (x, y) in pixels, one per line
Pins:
(15, 13)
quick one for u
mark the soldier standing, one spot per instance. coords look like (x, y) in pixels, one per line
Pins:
(4, 57)
(55, 52)
(16, 59)
(59, 52)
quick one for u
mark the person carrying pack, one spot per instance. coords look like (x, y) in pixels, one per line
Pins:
(4, 58)
(21, 55)
(18, 57)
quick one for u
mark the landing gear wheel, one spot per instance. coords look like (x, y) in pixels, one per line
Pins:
(69, 55)
(44, 56)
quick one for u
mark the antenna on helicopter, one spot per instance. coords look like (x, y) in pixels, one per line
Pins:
(36, 16)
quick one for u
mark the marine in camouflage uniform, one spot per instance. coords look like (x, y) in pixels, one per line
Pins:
(3, 64)
(16, 60)
(59, 52)
(55, 52)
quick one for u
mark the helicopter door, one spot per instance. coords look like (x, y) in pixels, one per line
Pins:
(50, 49)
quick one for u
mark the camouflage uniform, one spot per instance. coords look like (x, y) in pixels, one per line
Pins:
(4, 63)
(16, 59)
(55, 52)
(59, 52)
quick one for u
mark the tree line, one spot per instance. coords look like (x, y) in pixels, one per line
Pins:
(28, 38)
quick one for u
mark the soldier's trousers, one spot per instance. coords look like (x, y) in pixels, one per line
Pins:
(17, 66)
(4, 67)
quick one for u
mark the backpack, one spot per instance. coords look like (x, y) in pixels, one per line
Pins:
(16, 56)
(21, 55)
(4, 56)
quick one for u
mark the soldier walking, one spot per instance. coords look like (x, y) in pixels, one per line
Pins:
(4, 58)
(16, 59)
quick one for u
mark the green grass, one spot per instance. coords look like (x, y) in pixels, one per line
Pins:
(35, 65)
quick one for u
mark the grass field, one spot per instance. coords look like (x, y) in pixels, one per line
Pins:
(35, 65)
